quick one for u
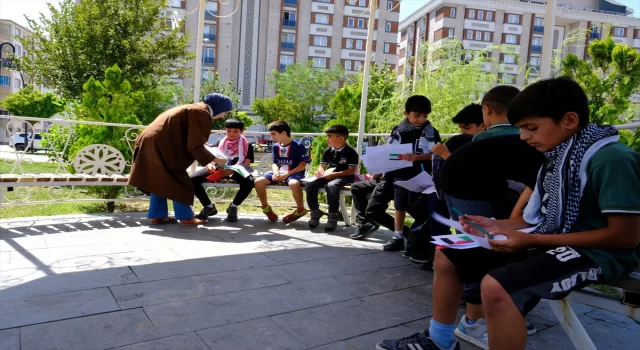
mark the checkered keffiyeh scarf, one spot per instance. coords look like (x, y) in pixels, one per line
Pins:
(554, 204)
(405, 126)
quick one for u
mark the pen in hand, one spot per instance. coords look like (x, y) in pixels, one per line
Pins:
(476, 226)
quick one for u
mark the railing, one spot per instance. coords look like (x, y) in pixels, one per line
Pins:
(287, 45)
(210, 15)
(538, 29)
(536, 49)
(594, 35)
(209, 36)
(289, 22)
(209, 60)
(283, 67)
(291, 2)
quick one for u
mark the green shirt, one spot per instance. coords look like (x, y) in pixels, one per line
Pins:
(499, 129)
(613, 186)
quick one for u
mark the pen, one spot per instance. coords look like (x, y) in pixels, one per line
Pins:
(458, 213)
(422, 165)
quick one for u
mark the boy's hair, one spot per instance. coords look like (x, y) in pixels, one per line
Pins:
(457, 141)
(339, 130)
(280, 126)
(500, 97)
(551, 98)
(233, 123)
(418, 104)
(471, 114)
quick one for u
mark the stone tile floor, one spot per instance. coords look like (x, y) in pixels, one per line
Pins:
(112, 282)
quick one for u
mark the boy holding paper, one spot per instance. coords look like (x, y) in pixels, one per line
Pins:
(237, 148)
(289, 162)
(586, 213)
(415, 129)
(337, 167)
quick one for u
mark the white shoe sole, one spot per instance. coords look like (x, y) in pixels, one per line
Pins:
(470, 339)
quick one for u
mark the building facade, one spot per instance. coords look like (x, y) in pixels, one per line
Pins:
(245, 40)
(518, 27)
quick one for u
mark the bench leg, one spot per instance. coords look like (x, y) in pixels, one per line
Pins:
(345, 211)
(571, 325)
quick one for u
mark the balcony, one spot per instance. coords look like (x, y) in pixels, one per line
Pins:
(287, 45)
(209, 36)
(538, 29)
(210, 15)
(209, 60)
(291, 2)
(536, 49)
(594, 35)
(289, 22)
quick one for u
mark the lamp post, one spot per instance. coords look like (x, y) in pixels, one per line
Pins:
(199, 45)
(547, 39)
(365, 79)
(205, 41)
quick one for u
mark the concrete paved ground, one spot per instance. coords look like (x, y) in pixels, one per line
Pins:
(112, 282)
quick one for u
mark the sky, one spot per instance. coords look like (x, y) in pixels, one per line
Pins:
(16, 9)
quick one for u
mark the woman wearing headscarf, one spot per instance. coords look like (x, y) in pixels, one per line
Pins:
(164, 151)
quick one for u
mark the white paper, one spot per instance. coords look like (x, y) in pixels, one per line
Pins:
(384, 158)
(422, 183)
(216, 152)
(313, 177)
(200, 172)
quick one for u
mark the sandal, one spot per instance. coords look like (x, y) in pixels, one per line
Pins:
(294, 216)
(193, 222)
(273, 217)
(162, 221)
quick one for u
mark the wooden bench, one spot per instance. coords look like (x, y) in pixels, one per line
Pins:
(102, 165)
(628, 304)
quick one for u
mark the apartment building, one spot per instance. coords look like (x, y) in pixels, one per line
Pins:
(518, 27)
(246, 40)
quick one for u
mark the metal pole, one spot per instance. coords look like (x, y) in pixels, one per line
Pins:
(365, 79)
(547, 40)
(199, 44)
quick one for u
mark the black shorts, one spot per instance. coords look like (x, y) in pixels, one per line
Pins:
(527, 276)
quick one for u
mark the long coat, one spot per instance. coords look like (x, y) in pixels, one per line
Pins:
(167, 147)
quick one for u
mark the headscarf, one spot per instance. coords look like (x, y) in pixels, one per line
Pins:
(218, 103)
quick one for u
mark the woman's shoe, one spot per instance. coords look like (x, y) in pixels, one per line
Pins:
(193, 222)
(162, 221)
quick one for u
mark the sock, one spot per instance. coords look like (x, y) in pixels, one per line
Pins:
(233, 205)
(469, 322)
(210, 206)
(398, 235)
(442, 334)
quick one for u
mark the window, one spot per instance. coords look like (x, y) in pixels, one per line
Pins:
(487, 36)
(513, 19)
(19, 50)
(472, 14)
(209, 33)
(389, 5)
(489, 16)
(322, 18)
(319, 62)
(535, 62)
(285, 60)
(347, 65)
(18, 33)
(349, 44)
(359, 44)
(452, 12)
(387, 47)
(618, 31)
(289, 18)
(470, 34)
(511, 59)
(360, 22)
(538, 22)
(357, 65)
(320, 41)
(481, 15)
(175, 3)
(511, 39)
(351, 22)
(451, 32)
(536, 42)
(212, 8)
(209, 55)
(387, 27)
(508, 78)
(288, 38)
(479, 35)
(362, 3)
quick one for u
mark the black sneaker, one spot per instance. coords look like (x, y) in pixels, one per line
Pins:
(332, 222)
(416, 341)
(394, 245)
(364, 230)
(207, 212)
(420, 258)
(427, 266)
(314, 221)
(232, 214)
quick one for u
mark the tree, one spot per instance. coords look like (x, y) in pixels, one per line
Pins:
(275, 108)
(83, 40)
(609, 79)
(309, 89)
(29, 102)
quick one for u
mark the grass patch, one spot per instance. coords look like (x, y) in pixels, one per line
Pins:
(608, 290)
(29, 167)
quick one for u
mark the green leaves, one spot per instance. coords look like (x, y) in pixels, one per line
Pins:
(275, 108)
(28, 102)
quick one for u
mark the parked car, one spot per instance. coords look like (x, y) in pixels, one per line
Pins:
(34, 143)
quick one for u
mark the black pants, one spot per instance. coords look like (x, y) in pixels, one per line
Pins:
(374, 209)
(333, 188)
(246, 185)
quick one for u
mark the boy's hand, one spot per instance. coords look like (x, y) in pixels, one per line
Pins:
(219, 161)
(211, 167)
(319, 172)
(329, 176)
(410, 157)
(440, 150)
(227, 172)
(515, 241)
(276, 177)
(486, 223)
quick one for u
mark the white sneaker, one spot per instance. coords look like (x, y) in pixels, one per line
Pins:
(475, 334)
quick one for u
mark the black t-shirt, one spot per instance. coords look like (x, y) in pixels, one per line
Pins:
(249, 156)
(479, 170)
(340, 159)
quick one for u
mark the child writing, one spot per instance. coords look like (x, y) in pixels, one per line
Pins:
(415, 129)
(289, 162)
(236, 147)
(344, 162)
(586, 213)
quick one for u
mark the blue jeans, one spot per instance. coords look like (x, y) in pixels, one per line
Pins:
(158, 209)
